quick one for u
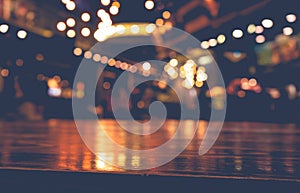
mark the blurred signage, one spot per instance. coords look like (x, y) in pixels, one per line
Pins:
(284, 49)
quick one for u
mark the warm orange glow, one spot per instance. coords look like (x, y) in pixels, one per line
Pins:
(77, 51)
(97, 57)
(4, 72)
(104, 59)
(39, 57)
(88, 55)
(111, 62)
(159, 21)
(252, 82)
(260, 39)
(166, 14)
(116, 3)
(52, 83)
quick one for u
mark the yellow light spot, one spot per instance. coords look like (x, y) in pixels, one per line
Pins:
(71, 33)
(251, 29)
(174, 62)
(221, 39)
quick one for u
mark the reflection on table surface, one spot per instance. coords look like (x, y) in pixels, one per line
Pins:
(243, 150)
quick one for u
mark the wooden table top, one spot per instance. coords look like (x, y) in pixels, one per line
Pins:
(243, 151)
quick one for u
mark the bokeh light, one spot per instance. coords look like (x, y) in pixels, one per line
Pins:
(149, 4)
(85, 17)
(237, 33)
(4, 28)
(22, 34)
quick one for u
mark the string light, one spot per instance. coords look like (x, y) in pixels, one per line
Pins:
(97, 57)
(88, 55)
(149, 4)
(77, 51)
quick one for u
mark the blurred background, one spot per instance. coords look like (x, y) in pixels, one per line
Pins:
(255, 43)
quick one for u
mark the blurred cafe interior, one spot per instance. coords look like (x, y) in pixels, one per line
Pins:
(255, 45)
